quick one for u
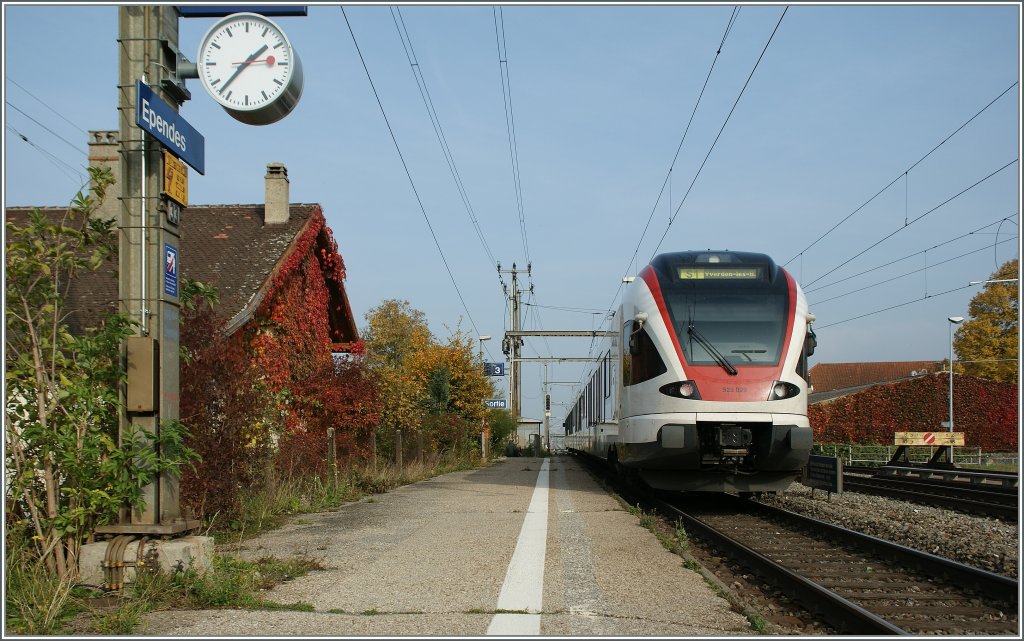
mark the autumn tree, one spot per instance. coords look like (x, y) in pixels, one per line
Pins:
(986, 344)
(394, 332)
(429, 387)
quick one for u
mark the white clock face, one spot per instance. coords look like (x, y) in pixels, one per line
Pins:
(247, 64)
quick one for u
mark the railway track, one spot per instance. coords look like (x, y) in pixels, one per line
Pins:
(858, 584)
(848, 581)
(984, 494)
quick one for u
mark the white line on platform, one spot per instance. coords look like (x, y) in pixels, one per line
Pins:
(523, 588)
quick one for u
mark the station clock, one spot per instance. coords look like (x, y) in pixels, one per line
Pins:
(247, 64)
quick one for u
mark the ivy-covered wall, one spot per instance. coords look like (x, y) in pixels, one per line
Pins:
(985, 411)
(265, 396)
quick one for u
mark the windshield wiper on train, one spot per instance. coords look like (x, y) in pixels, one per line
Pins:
(715, 354)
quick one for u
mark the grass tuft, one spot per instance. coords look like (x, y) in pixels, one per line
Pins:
(37, 603)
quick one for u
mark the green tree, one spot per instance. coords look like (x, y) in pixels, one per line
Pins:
(987, 342)
(439, 391)
(66, 470)
(502, 427)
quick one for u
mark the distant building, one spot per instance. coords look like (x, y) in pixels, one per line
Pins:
(525, 427)
(832, 380)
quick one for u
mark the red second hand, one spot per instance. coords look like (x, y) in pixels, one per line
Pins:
(269, 60)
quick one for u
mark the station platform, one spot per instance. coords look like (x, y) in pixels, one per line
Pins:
(526, 546)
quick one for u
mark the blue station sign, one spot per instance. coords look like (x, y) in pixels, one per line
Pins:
(160, 120)
(494, 369)
(496, 403)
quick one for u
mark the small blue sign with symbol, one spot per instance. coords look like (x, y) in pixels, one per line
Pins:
(496, 403)
(494, 369)
(170, 270)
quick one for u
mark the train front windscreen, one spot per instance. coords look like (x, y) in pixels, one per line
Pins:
(730, 314)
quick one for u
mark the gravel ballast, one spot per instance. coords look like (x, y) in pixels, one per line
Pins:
(981, 542)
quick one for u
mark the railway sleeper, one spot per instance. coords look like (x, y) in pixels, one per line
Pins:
(909, 597)
(892, 612)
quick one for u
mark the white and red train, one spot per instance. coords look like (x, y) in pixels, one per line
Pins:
(703, 382)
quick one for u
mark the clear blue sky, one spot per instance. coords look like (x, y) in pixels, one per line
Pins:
(845, 100)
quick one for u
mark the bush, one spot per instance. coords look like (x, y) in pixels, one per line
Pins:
(985, 411)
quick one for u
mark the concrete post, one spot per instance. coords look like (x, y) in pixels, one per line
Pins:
(373, 448)
(398, 450)
(332, 465)
(146, 35)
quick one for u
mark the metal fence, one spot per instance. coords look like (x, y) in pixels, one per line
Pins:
(882, 454)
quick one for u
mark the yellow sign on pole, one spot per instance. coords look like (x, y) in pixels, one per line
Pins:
(175, 179)
(930, 438)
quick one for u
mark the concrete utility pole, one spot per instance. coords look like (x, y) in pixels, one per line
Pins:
(148, 40)
(547, 410)
(513, 343)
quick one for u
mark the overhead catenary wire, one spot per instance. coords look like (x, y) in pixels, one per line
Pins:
(891, 307)
(719, 135)
(580, 310)
(679, 147)
(43, 103)
(510, 122)
(714, 143)
(408, 175)
(910, 273)
(904, 174)
(668, 176)
(908, 256)
(435, 120)
(914, 220)
(56, 161)
(67, 142)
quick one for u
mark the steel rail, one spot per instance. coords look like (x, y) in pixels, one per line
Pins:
(841, 613)
(1002, 505)
(996, 586)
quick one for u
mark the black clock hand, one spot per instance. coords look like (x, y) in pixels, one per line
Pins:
(243, 66)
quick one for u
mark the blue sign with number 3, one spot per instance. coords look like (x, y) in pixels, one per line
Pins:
(494, 369)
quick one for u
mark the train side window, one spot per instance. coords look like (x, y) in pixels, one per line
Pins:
(627, 331)
(606, 367)
(641, 360)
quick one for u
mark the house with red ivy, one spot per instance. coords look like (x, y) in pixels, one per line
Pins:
(257, 256)
(832, 380)
(282, 316)
(273, 263)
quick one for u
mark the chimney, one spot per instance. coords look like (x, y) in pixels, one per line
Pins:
(103, 152)
(276, 206)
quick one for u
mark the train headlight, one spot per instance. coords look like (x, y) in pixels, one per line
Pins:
(682, 389)
(781, 390)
